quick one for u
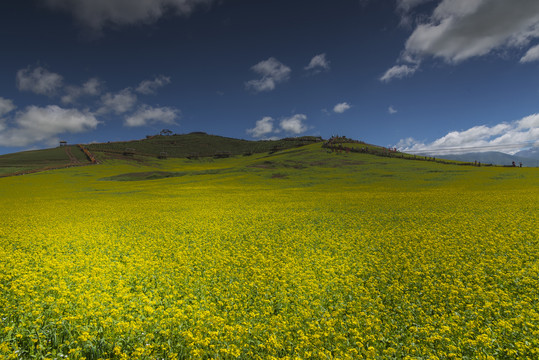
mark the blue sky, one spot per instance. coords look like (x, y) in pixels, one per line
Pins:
(438, 75)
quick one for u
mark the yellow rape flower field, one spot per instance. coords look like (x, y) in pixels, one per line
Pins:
(350, 257)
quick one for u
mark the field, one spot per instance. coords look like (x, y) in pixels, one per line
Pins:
(300, 254)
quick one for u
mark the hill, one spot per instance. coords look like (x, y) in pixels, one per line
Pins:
(203, 147)
(194, 145)
(39, 160)
(311, 166)
(531, 153)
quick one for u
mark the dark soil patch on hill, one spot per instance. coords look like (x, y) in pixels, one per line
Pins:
(337, 162)
(156, 175)
(146, 175)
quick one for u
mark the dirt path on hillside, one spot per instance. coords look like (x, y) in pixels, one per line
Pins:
(72, 157)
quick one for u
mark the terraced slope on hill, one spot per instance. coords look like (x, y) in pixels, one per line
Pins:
(40, 160)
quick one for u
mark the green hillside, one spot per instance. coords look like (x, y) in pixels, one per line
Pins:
(283, 159)
(315, 165)
(196, 145)
(40, 160)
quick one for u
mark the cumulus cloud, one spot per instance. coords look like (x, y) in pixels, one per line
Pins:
(147, 87)
(97, 14)
(118, 103)
(391, 110)
(39, 80)
(92, 87)
(6, 106)
(505, 137)
(272, 72)
(146, 114)
(341, 107)
(294, 124)
(263, 128)
(458, 30)
(318, 63)
(42, 125)
(398, 72)
(44, 82)
(531, 55)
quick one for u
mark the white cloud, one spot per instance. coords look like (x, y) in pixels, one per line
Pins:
(392, 110)
(43, 82)
(265, 127)
(531, 55)
(504, 137)
(39, 80)
(262, 128)
(97, 14)
(461, 29)
(119, 103)
(398, 72)
(6, 106)
(43, 124)
(318, 63)
(92, 87)
(272, 71)
(294, 124)
(528, 123)
(150, 115)
(458, 30)
(150, 86)
(342, 107)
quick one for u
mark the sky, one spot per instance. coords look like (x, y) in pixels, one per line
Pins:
(418, 75)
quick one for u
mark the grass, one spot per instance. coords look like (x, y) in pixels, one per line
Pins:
(312, 165)
(28, 161)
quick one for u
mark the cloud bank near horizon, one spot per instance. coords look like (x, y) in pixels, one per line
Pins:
(508, 138)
